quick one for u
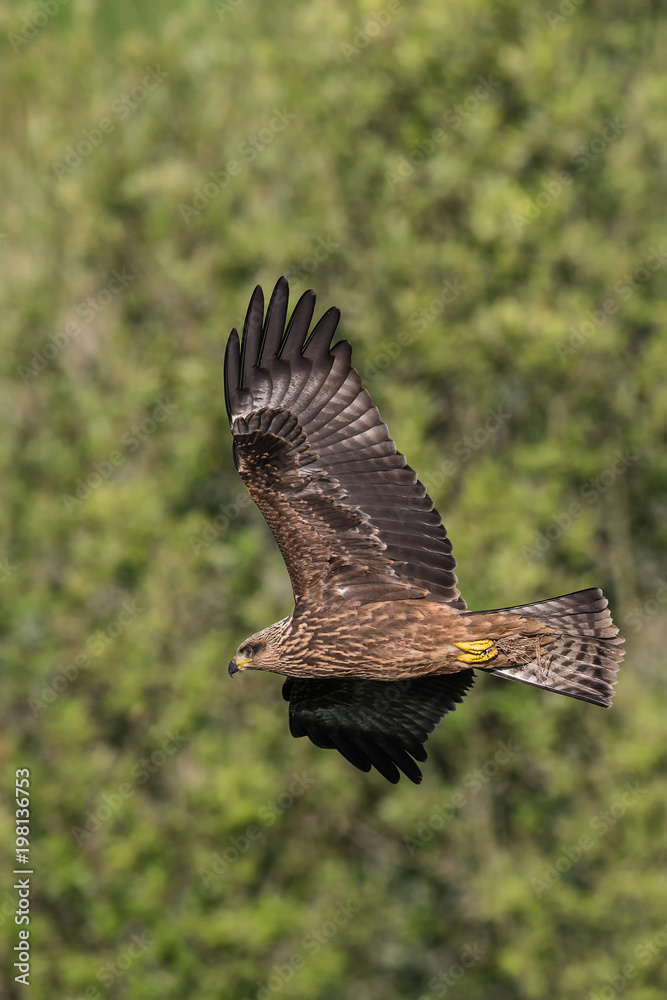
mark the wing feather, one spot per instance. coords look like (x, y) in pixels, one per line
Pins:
(383, 724)
(276, 318)
(319, 462)
(252, 335)
(297, 329)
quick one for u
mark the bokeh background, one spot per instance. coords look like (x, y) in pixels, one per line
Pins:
(481, 187)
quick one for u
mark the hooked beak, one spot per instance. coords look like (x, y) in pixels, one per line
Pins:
(236, 665)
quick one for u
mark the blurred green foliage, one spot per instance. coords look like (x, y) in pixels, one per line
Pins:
(482, 188)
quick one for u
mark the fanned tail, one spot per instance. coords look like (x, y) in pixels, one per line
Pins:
(583, 661)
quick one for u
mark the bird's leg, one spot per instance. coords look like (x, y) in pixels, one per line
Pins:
(479, 651)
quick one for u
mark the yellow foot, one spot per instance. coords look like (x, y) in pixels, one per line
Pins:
(479, 651)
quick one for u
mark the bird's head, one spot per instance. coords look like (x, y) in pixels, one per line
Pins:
(259, 652)
(244, 657)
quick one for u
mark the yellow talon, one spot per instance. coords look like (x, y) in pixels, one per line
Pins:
(479, 651)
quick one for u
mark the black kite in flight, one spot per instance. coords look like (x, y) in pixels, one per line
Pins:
(379, 646)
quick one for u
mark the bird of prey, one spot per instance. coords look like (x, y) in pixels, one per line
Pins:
(380, 645)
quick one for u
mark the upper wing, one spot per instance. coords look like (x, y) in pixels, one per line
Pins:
(381, 724)
(350, 516)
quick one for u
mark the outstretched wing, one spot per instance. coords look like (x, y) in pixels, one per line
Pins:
(381, 724)
(351, 518)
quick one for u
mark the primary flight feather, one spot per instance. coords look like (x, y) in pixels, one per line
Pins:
(379, 646)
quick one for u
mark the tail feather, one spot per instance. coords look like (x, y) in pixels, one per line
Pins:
(583, 660)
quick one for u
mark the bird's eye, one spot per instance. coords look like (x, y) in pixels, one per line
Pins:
(247, 652)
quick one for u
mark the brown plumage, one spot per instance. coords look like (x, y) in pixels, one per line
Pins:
(379, 646)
